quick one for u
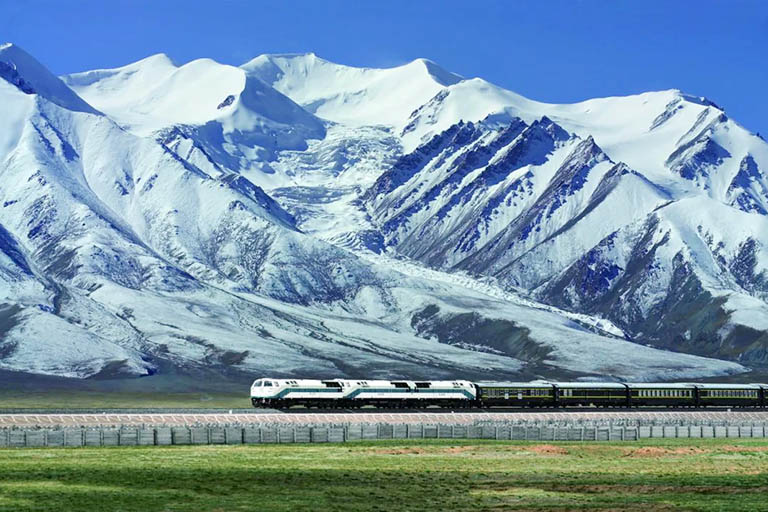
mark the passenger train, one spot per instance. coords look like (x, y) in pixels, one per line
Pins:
(404, 394)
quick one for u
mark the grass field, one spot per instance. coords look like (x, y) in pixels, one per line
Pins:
(727, 475)
(79, 399)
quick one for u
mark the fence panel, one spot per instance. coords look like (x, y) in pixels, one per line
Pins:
(268, 435)
(92, 437)
(199, 435)
(355, 432)
(253, 435)
(386, 431)
(181, 436)
(73, 437)
(336, 435)
(533, 433)
(216, 435)
(146, 437)
(129, 437)
(35, 438)
(302, 435)
(319, 435)
(17, 439)
(285, 435)
(110, 437)
(416, 431)
(369, 432)
(234, 435)
(55, 438)
(163, 436)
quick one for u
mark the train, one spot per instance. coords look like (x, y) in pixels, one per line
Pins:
(464, 394)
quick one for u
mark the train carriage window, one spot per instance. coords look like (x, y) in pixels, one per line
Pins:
(401, 385)
(422, 385)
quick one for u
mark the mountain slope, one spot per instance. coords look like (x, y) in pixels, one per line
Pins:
(546, 211)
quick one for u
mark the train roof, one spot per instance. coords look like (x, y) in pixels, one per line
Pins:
(533, 384)
(730, 386)
(590, 385)
(661, 385)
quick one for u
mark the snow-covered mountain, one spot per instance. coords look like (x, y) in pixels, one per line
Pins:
(298, 217)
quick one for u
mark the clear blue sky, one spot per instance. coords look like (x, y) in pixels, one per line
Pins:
(558, 51)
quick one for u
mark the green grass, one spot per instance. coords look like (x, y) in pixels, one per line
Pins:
(706, 475)
(79, 399)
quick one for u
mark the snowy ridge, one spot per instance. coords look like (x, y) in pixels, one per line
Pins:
(349, 95)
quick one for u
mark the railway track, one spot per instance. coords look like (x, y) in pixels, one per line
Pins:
(168, 417)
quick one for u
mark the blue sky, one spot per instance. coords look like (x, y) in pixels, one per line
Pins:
(558, 51)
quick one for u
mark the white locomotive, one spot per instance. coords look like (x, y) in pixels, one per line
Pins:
(351, 393)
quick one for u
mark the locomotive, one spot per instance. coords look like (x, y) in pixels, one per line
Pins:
(459, 394)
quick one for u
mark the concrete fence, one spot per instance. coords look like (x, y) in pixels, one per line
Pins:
(270, 434)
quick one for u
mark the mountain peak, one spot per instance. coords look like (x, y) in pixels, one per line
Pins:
(439, 74)
(23, 71)
(157, 59)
